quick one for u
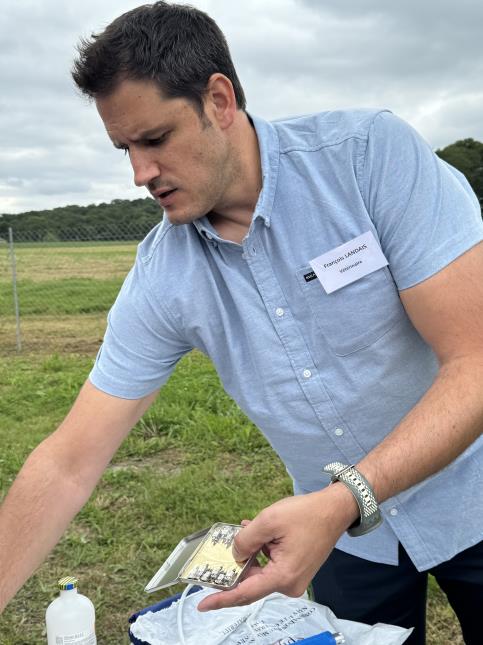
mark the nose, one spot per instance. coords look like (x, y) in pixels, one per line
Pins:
(144, 166)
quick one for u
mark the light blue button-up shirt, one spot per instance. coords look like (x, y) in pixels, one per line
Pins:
(324, 376)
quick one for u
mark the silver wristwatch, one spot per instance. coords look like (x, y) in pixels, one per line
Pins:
(370, 515)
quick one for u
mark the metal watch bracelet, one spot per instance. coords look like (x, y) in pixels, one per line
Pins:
(370, 515)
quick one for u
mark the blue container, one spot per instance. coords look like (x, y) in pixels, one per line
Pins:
(160, 605)
(324, 638)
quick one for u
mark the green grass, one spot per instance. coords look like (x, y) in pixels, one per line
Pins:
(64, 279)
(193, 460)
(57, 261)
(67, 296)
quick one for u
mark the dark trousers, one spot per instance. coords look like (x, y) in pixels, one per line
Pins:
(368, 592)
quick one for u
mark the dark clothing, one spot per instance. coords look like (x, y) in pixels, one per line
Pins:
(369, 592)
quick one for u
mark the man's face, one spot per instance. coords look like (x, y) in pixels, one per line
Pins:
(182, 159)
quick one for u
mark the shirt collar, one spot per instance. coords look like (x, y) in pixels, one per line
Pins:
(269, 157)
(206, 230)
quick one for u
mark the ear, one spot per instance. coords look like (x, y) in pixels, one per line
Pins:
(220, 101)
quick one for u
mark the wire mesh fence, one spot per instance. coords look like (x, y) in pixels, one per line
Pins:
(55, 290)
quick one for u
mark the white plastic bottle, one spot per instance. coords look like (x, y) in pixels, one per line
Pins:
(70, 617)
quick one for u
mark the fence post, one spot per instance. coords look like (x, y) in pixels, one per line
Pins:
(14, 283)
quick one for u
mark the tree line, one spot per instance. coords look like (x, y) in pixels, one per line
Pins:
(467, 156)
(132, 219)
(120, 219)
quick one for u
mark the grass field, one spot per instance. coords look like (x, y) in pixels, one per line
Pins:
(193, 459)
(64, 279)
(55, 283)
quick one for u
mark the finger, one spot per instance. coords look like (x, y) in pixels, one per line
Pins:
(257, 585)
(251, 539)
(234, 550)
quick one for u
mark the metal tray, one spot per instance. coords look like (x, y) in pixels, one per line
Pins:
(204, 558)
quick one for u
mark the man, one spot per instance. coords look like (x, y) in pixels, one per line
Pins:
(378, 364)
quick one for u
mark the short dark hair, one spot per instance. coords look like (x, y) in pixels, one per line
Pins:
(177, 46)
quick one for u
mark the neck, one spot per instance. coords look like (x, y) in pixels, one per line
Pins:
(232, 219)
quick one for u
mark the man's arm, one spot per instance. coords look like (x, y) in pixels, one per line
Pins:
(300, 532)
(447, 310)
(57, 479)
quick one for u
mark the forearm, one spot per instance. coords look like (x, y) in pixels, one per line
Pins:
(57, 480)
(35, 513)
(439, 428)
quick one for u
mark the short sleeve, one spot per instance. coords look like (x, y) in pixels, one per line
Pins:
(424, 210)
(141, 345)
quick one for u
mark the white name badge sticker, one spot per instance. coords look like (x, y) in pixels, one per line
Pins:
(349, 262)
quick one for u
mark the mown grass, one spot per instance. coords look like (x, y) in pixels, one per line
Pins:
(193, 460)
(66, 297)
(40, 262)
(50, 334)
(68, 279)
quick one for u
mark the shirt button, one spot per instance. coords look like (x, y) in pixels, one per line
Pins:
(339, 432)
(279, 311)
(209, 236)
(307, 373)
(393, 511)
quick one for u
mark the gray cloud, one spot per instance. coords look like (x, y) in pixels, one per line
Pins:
(422, 60)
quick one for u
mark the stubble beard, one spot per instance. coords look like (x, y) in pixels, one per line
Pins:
(215, 193)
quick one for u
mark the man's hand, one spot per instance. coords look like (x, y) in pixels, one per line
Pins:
(297, 534)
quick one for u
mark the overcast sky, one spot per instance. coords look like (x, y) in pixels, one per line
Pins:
(423, 59)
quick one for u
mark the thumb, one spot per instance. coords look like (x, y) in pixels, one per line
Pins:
(250, 539)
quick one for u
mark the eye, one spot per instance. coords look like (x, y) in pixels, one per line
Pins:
(158, 141)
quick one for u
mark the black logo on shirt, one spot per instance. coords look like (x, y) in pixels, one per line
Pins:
(310, 276)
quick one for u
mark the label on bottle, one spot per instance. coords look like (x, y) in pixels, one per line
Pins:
(80, 638)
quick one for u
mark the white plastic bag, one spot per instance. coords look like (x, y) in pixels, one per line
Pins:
(265, 622)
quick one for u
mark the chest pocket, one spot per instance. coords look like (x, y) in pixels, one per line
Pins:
(357, 315)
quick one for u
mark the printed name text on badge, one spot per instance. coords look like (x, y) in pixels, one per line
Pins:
(349, 262)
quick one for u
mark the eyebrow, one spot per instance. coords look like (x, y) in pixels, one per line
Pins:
(158, 131)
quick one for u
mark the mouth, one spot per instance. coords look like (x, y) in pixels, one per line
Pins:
(166, 193)
(165, 198)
